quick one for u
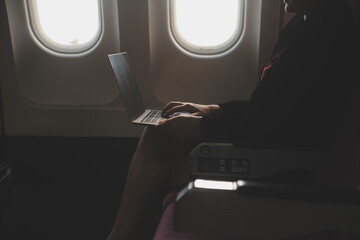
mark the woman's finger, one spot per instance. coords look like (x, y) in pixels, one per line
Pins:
(180, 108)
(171, 105)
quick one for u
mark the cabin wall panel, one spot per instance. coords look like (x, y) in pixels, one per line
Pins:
(72, 104)
(47, 78)
(180, 76)
(63, 96)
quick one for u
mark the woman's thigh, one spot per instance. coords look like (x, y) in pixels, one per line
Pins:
(159, 147)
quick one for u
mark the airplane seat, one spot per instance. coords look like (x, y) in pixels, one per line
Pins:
(329, 209)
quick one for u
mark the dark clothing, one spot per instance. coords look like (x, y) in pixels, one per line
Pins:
(300, 100)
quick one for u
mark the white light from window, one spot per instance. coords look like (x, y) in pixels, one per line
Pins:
(219, 185)
(66, 24)
(206, 24)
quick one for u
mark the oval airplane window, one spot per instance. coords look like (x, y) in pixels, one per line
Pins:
(206, 26)
(66, 26)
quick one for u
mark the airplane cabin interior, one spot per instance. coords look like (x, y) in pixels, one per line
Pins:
(68, 134)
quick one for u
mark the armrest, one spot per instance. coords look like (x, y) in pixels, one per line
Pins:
(258, 210)
(226, 161)
(264, 211)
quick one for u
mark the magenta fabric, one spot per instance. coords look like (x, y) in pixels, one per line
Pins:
(270, 63)
(165, 230)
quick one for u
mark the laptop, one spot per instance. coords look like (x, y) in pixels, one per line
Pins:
(130, 92)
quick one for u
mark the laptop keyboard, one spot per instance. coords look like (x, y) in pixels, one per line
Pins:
(152, 117)
(155, 115)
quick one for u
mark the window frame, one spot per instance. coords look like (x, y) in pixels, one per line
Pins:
(193, 49)
(42, 39)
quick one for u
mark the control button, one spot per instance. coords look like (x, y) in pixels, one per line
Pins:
(239, 169)
(222, 169)
(233, 169)
(205, 150)
(222, 162)
(233, 162)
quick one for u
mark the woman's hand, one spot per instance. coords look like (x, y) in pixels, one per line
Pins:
(193, 108)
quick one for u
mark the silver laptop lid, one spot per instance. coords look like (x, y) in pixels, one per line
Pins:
(127, 85)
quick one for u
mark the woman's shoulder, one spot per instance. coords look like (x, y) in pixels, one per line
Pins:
(289, 32)
(294, 24)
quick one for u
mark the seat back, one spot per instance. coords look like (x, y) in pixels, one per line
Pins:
(343, 167)
(355, 5)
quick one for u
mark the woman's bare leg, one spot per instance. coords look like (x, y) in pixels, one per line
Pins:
(148, 179)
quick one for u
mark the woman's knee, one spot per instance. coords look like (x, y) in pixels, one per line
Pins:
(155, 144)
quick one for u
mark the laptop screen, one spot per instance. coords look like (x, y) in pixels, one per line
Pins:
(127, 85)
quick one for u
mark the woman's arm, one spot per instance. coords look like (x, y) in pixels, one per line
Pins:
(194, 108)
(238, 108)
